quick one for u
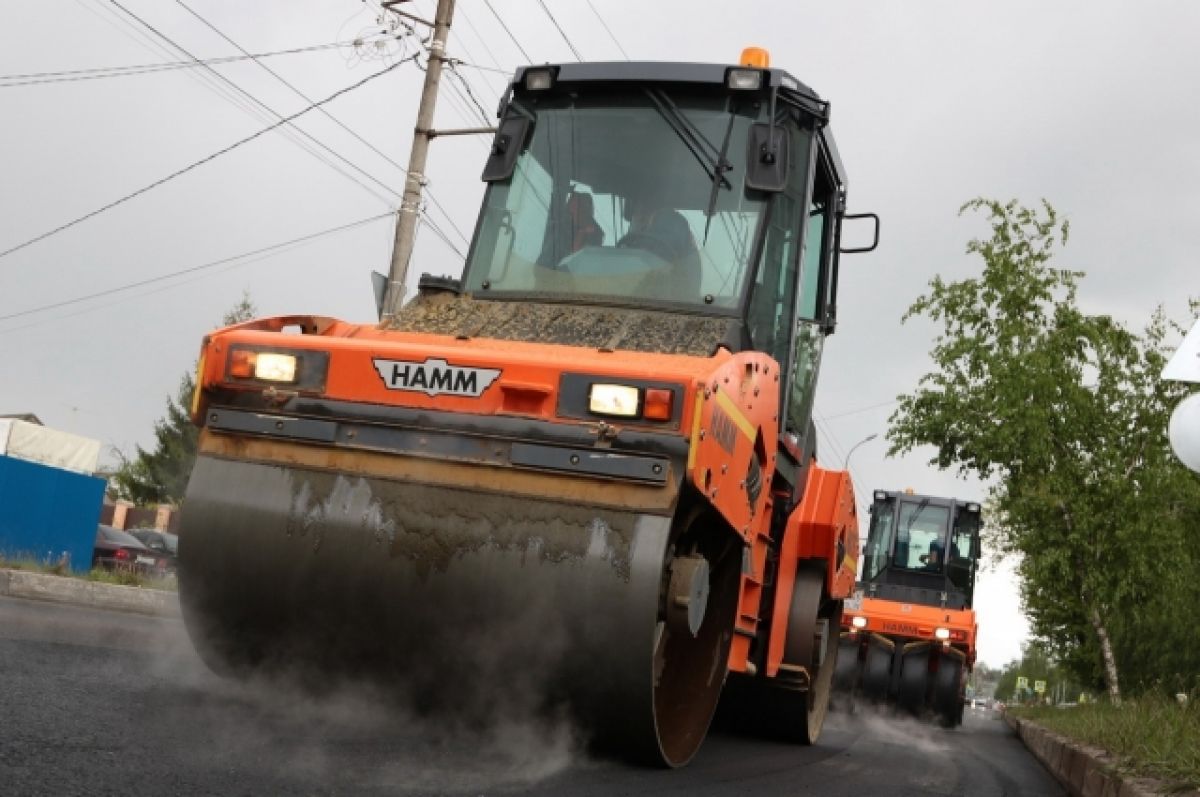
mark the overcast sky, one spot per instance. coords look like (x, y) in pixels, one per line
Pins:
(1091, 105)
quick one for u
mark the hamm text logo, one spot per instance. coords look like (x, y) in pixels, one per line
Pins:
(434, 377)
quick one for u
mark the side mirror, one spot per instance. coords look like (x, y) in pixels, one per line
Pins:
(874, 239)
(767, 157)
(506, 146)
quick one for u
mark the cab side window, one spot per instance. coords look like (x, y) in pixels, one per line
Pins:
(814, 266)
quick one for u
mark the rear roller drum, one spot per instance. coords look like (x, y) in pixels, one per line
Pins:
(824, 662)
(794, 709)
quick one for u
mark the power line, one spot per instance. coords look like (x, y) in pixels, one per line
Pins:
(862, 409)
(500, 19)
(97, 73)
(271, 111)
(609, 30)
(297, 91)
(325, 113)
(483, 115)
(202, 161)
(460, 62)
(546, 8)
(462, 13)
(193, 269)
(438, 232)
(137, 27)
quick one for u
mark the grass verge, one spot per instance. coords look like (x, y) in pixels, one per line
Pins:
(129, 578)
(1150, 736)
(126, 578)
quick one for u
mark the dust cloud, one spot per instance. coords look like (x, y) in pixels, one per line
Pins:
(888, 726)
(352, 736)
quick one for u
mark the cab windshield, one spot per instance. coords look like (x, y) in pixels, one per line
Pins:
(921, 537)
(630, 198)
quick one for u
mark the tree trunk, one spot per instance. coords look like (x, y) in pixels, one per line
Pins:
(1106, 653)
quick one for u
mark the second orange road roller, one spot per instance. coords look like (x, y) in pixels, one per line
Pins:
(582, 475)
(908, 634)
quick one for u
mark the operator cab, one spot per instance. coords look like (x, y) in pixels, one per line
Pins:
(922, 550)
(677, 190)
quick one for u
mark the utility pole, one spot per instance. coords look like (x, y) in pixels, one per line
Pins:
(410, 203)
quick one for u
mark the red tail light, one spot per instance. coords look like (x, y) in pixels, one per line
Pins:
(122, 554)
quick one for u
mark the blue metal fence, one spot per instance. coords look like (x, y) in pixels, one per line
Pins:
(47, 513)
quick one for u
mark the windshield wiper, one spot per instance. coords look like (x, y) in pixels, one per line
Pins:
(723, 165)
(701, 148)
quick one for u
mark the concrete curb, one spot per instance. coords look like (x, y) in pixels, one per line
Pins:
(62, 589)
(1083, 771)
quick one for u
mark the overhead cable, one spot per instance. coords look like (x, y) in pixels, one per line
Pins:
(500, 19)
(202, 161)
(324, 113)
(608, 30)
(271, 112)
(562, 32)
(98, 73)
(193, 269)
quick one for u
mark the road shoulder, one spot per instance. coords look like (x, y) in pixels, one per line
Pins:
(77, 592)
(1082, 770)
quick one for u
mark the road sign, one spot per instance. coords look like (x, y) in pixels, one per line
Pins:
(1184, 366)
(1022, 682)
(1039, 687)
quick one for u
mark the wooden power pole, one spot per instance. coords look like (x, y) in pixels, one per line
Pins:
(410, 204)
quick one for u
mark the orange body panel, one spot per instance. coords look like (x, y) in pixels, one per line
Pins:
(915, 622)
(734, 428)
(734, 433)
(527, 386)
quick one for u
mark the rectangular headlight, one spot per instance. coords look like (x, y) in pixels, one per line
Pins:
(263, 365)
(972, 507)
(272, 367)
(744, 79)
(880, 495)
(619, 400)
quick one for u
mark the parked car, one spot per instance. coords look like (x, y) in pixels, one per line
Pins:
(164, 543)
(118, 550)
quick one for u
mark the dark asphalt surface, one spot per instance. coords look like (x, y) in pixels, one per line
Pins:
(96, 702)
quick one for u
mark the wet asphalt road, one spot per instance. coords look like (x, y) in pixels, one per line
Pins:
(95, 702)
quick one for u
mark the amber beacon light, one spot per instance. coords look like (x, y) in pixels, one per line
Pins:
(755, 56)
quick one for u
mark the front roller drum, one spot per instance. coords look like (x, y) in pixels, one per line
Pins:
(465, 602)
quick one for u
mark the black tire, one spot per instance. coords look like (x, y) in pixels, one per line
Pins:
(847, 678)
(877, 672)
(913, 690)
(947, 690)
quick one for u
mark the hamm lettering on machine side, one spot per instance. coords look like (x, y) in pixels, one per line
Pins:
(435, 376)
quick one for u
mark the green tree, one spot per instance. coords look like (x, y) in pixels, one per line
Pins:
(160, 476)
(1064, 414)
